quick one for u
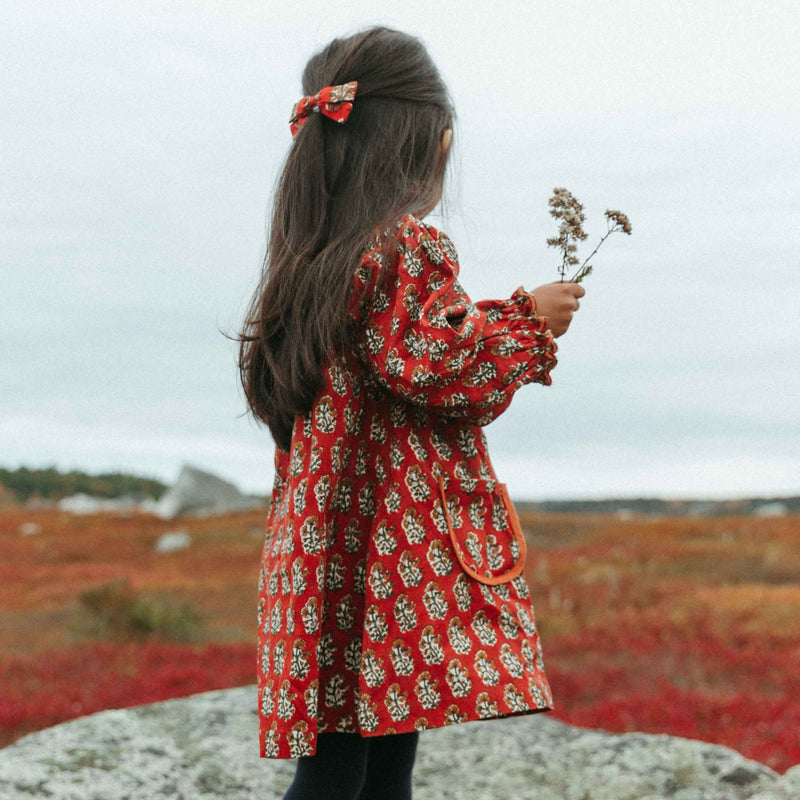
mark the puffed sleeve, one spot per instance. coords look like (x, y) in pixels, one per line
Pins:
(425, 340)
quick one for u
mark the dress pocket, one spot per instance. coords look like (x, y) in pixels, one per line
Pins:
(485, 531)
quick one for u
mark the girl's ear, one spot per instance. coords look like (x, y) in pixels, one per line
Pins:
(447, 137)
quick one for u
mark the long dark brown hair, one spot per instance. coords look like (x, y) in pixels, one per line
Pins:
(339, 184)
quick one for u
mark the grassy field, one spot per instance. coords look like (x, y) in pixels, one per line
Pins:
(668, 625)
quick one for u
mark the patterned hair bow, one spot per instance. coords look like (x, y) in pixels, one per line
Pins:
(335, 102)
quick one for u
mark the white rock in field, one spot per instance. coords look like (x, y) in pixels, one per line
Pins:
(29, 529)
(124, 505)
(206, 747)
(81, 503)
(171, 541)
(771, 510)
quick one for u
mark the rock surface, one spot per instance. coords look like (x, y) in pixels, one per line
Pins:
(172, 541)
(197, 492)
(206, 746)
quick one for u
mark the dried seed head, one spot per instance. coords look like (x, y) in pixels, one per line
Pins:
(567, 209)
(618, 218)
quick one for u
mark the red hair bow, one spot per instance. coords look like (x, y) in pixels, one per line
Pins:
(335, 102)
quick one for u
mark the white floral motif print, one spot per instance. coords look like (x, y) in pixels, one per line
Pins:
(409, 569)
(310, 615)
(429, 696)
(299, 496)
(345, 613)
(352, 537)
(473, 547)
(413, 525)
(416, 344)
(275, 628)
(267, 699)
(439, 558)
(482, 374)
(511, 661)
(264, 662)
(442, 446)
(397, 703)
(375, 624)
(385, 542)
(402, 660)
(343, 496)
(417, 484)
(299, 740)
(435, 601)
(508, 623)
(325, 415)
(405, 613)
(311, 535)
(352, 655)
(453, 716)
(412, 302)
(486, 669)
(360, 576)
(413, 264)
(396, 454)
(336, 573)
(377, 430)
(485, 707)
(430, 646)
(458, 678)
(380, 582)
(477, 513)
(326, 650)
(525, 620)
(514, 698)
(459, 639)
(335, 691)
(299, 577)
(374, 340)
(367, 713)
(393, 500)
(285, 701)
(336, 455)
(338, 379)
(279, 656)
(463, 593)
(271, 741)
(483, 628)
(366, 501)
(372, 668)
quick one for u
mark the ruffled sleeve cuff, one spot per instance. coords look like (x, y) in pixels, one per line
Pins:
(525, 300)
(544, 345)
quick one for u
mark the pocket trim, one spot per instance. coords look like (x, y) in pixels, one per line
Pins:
(516, 529)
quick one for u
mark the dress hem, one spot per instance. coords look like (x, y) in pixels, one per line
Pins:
(412, 727)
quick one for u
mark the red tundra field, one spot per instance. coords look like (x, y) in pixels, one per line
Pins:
(667, 625)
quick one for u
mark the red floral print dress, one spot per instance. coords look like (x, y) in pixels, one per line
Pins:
(389, 594)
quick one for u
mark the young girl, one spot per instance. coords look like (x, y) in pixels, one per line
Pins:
(391, 597)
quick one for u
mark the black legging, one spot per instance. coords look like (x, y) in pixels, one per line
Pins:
(347, 766)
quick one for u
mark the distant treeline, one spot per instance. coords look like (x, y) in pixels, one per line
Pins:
(678, 508)
(51, 484)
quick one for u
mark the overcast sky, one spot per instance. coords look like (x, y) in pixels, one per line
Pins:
(139, 144)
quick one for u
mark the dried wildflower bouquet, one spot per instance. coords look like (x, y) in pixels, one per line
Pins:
(565, 208)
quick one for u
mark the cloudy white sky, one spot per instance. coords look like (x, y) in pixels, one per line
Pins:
(139, 143)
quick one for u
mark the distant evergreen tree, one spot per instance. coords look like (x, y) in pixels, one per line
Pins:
(51, 484)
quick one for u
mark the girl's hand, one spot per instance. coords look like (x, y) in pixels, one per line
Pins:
(558, 301)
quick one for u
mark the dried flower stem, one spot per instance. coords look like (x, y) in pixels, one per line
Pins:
(580, 274)
(565, 208)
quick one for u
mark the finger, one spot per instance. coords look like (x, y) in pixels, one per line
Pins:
(578, 290)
